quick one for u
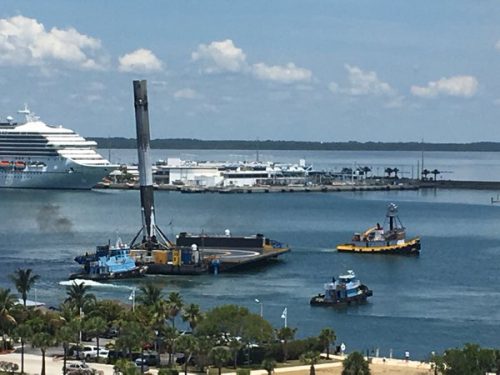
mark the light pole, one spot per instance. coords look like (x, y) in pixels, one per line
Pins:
(261, 307)
(132, 298)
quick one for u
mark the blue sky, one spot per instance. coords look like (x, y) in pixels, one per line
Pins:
(284, 69)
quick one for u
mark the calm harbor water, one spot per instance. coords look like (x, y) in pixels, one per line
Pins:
(446, 297)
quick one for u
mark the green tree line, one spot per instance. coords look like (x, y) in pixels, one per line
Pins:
(224, 336)
(197, 144)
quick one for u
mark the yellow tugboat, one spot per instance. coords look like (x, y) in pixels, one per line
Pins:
(378, 240)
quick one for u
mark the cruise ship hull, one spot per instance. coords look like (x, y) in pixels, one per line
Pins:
(57, 174)
(34, 155)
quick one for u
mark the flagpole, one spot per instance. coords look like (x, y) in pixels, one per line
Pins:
(284, 315)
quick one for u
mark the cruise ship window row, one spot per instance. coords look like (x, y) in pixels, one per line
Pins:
(21, 145)
(23, 140)
(26, 149)
(36, 134)
(29, 153)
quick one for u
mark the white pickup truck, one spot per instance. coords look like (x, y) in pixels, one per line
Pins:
(90, 352)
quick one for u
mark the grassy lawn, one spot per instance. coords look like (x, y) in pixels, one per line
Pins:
(290, 363)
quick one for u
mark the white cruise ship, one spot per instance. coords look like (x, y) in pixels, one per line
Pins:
(37, 155)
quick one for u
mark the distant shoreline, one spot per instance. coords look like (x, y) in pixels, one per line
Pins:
(197, 144)
(383, 186)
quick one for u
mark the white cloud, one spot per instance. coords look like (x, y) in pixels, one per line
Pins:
(464, 86)
(395, 101)
(334, 87)
(186, 93)
(141, 60)
(224, 56)
(497, 45)
(288, 73)
(366, 83)
(24, 41)
(221, 56)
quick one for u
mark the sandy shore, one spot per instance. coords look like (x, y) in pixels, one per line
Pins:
(379, 366)
(376, 369)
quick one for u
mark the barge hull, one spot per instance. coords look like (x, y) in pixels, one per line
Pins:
(169, 269)
(412, 247)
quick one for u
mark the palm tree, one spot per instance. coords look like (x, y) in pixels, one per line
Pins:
(125, 367)
(285, 334)
(396, 170)
(169, 335)
(187, 344)
(67, 334)
(134, 335)
(192, 314)
(269, 365)
(96, 326)
(234, 346)
(389, 172)
(43, 341)
(149, 295)
(174, 303)
(24, 280)
(128, 340)
(205, 344)
(326, 338)
(110, 311)
(7, 306)
(219, 356)
(144, 337)
(22, 331)
(310, 358)
(435, 172)
(425, 173)
(355, 364)
(79, 296)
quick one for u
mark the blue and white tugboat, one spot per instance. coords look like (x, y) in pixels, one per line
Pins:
(344, 291)
(109, 263)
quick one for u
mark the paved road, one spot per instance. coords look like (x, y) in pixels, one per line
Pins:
(33, 364)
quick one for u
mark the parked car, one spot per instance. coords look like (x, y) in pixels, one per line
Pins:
(79, 368)
(90, 352)
(150, 358)
(111, 333)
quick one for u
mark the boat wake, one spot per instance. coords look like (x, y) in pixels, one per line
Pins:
(328, 250)
(92, 284)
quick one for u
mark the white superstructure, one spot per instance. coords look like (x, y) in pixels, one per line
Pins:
(37, 155)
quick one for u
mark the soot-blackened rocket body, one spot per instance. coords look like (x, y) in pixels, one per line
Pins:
(143, 152)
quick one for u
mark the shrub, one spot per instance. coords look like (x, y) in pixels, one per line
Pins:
(168, 371)
(243, 371)
(295, 348)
